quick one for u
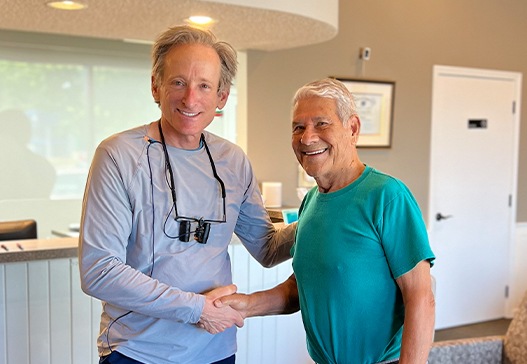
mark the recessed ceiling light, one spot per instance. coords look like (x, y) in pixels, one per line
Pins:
(67, 5)
(200, 20)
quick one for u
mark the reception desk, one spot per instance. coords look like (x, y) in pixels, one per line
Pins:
(45, 317)
(38, 249)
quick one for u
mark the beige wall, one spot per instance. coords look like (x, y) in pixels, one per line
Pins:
(407, 38)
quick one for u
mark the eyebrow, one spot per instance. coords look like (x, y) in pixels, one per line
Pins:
(315, 119)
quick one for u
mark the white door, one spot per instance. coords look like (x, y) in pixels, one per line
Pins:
(475, 127)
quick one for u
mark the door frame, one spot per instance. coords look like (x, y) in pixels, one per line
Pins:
(516, 77)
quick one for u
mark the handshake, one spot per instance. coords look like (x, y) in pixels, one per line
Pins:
(223, 309)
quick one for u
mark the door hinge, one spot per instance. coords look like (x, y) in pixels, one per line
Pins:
(506, 291)
(514, 107)
(510, 200)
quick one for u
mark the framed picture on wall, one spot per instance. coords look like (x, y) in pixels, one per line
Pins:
(374, 100)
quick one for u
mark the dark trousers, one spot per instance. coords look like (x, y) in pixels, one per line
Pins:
(117, 358)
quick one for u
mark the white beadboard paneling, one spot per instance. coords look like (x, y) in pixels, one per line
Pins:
(39, 319)
(46, 318)
(284, 270)
(60, 310)
(240, 276)
(80, 319)
(269, 323)
(268, 353)
(290, 334)
(269, 339)
(256, 339)
(17, 323)
(3, 328)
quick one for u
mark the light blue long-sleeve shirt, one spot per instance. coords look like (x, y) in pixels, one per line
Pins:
(131, 261)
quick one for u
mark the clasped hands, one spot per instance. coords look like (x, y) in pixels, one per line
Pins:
(223, 309)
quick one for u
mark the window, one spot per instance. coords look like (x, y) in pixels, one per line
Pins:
(72, 98)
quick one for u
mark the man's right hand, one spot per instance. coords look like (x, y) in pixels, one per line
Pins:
(216, 319)
(282, 299)
(238, 301)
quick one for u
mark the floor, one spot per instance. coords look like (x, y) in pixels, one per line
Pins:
(489, 328)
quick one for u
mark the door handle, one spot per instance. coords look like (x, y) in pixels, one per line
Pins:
(440, 217)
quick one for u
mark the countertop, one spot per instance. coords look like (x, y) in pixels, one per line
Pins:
(38, 249)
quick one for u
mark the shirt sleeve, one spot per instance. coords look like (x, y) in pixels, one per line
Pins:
(106, 226)
(403, 233)
(268, 243)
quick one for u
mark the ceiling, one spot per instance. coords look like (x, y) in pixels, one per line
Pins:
(281, 24)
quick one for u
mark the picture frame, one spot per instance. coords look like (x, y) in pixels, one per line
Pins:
(374, 100)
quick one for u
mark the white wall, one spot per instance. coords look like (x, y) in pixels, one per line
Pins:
(518, 272)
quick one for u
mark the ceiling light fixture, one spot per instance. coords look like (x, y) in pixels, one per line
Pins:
(67, 5)
(200, 20)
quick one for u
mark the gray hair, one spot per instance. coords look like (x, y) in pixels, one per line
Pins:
(185, 34)
(330, 88)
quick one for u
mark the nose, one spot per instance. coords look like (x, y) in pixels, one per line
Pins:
(189, 97)
(309, 136)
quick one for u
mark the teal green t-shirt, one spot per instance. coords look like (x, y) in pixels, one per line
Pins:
(350, 247)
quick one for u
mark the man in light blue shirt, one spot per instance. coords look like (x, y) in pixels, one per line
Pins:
(162, 201)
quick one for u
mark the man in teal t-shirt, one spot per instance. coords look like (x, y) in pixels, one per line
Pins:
(361, 259)
(350, 246)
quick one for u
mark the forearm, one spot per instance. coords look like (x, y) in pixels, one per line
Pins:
(419, 309)
(282, 299)
(278, 246)
(270, 244)
(107, 276)
(130, 290)
(418, 332)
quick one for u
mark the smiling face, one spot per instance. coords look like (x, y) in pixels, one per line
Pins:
(323, 145)
(188, 93)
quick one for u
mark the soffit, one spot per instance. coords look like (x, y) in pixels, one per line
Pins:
(245, 27)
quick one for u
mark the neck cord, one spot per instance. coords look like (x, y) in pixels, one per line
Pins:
(169, 167)
(172, 186)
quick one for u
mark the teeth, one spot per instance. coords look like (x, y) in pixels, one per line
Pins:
(316, 152)
(189, 113)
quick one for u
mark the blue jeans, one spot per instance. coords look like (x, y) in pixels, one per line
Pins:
(117, 358)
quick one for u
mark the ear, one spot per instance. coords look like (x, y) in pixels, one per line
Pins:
(222, 98)
(154, 88)
(354, 123)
